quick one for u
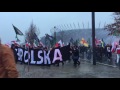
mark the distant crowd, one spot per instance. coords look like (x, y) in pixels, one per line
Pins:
(81, 52)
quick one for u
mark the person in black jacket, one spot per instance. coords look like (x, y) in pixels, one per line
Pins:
(14, 52)
(108, 52)
(75, 56)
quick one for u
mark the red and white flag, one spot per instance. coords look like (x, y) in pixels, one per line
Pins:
(114, 44)
(27, 44)
(61, 44)
(97, 42)
(14, 42)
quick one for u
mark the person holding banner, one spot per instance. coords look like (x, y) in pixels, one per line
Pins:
(14, 52)
(108, 52)
(75, 56)
(57, 62)
(7, 63)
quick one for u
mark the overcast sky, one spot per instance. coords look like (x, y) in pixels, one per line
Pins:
(45, 21)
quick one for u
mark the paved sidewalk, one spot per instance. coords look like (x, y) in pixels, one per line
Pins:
(85, 70)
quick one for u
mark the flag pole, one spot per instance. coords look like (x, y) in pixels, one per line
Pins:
(24, 63)
(28, 59)
(28, 56)
(16, 37)
(24, 48)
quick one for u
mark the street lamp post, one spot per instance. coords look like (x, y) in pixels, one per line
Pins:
(93, 37)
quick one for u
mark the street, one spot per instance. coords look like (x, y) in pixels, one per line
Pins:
(85, 70)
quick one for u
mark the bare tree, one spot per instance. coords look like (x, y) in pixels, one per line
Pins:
(29, 34)
(114, 28)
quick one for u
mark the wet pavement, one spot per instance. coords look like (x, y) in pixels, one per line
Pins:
(85, 70)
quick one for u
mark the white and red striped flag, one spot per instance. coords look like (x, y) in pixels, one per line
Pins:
(114, 44)
(97, 41)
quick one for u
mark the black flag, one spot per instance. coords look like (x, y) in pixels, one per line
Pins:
(36, 37)
(49, 37)
(17, 31)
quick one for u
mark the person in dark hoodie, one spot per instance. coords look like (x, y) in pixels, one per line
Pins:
(75, 56)
(108, 52)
